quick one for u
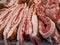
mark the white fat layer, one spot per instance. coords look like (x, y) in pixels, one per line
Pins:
(35, 24)
(9, 23)
(12, 30)
(12, 2)
(52, 29)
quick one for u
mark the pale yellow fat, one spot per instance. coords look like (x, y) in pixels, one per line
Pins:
(1, 33)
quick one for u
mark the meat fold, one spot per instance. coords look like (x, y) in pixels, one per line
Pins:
(53, 14)
(46, 29)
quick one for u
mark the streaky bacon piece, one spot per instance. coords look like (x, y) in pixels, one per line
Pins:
(3, 22)
(34, 20)
(10, 30)
(22, 28)
(52, 13)
(29, 16)
(47, 31)
(4, 18)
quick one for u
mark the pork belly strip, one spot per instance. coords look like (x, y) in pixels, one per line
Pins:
(13, 23)
(34, 34)
(22, 28)
(4, 18)
(20, 24)
(48, 33)
(53, 14)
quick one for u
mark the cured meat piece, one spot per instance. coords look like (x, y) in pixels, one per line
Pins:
(35, 29)
(22, 28)
(3, 21)
(4, 18)
(53, 14)
(32, 26)
(10, 30)
(47, 30)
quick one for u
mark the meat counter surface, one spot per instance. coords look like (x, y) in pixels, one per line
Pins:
(27, 43)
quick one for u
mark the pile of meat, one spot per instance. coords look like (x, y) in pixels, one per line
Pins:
(29, 20)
